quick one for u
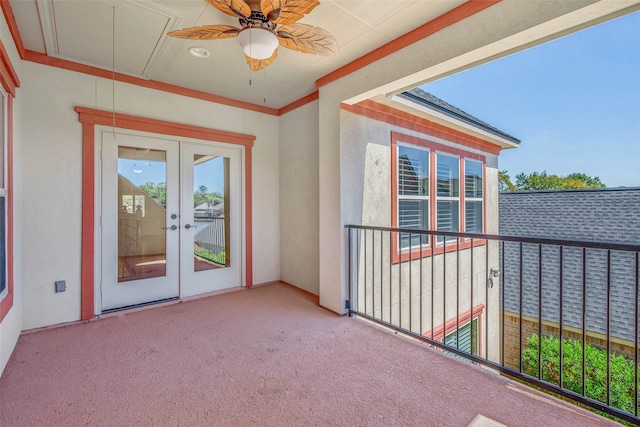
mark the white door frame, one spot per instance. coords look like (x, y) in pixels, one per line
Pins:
(245, 175)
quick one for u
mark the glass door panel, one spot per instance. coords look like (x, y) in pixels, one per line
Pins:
(210, 198)
(140, 224)
(142, 196)
(210, 217)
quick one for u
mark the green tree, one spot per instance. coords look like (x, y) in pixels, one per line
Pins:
(155, 190)
(545, 181)
(621, 387)
(504, 182)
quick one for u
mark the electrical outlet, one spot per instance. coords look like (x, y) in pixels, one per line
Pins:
(61, 286)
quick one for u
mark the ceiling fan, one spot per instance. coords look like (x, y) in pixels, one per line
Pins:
(264, 25)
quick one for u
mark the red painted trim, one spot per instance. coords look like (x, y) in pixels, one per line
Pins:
(299, 103)
(461, 12)
(90, 118)
(452, 324)
(13, 26)
(392, 116)
(9, 81)
(43, 59)
(87, 260)
(8, 76)
(7, 301)
(127, 121)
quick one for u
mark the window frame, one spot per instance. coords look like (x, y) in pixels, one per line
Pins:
(4, 142)
(475, 199)
(430, 247)
(401, 197)
(455, 323)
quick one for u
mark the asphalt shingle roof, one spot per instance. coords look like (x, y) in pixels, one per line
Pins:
(428, 99)
(606, 215)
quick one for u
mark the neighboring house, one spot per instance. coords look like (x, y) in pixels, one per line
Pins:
(427, 166)
(597, 215)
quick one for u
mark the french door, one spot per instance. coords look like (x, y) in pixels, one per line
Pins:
(171, 222)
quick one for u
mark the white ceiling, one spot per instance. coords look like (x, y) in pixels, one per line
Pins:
(82, 31)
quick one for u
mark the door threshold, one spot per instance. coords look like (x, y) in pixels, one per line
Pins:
(144, 304)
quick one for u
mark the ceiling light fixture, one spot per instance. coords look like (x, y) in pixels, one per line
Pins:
(257, 43)
(198, 52)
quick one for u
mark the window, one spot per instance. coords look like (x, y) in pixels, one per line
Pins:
(448, 197)
(473, 209)
(464, 338)
(437, 187)
(413, 193)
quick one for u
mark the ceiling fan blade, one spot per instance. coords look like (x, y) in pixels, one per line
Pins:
(307, 39)
(206, 32)
(287, 11)
(260, 64)
(236, 8)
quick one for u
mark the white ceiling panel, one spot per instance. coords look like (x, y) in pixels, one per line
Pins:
(85, 29)
(81, 31)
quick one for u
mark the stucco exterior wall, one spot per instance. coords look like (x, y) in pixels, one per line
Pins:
(494, 32)
(52, 163)
(299, 230)
(418, 295)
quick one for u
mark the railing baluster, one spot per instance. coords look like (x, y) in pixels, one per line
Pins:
(520, 311)
(561, 318)
(503, 285)
(444, 287)
(635, 353)
(410, 281)
(608, 384)
(471, 297)
(373, 273)
(421, 285)
(539, 310)
(584, 321)
(432, 244)
(400, 286)
(381, 272)
(458, 294)
(366, 272)
(391, 249)
(349, 267)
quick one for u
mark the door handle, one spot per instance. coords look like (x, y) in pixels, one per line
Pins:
(188, 226)
(173, 227)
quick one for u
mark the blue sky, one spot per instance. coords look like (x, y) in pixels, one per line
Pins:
(210, 174)
(573, 102)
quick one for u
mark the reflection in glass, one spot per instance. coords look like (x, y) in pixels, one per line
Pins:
(142, 193)
(210, 205)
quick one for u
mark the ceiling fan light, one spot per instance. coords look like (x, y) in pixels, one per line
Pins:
(257, 43)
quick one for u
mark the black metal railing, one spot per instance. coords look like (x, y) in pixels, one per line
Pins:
(560, 314)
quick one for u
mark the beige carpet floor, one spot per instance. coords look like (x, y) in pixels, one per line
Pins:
(267, 356)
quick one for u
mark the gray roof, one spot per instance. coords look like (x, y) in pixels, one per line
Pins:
(605, 215)
(434, 102)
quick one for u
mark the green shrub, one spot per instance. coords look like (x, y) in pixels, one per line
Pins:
(622, 390)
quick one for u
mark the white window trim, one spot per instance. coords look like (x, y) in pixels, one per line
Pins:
(473, 199)
(441, 240)
(400, 197)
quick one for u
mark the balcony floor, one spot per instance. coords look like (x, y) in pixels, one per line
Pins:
(265, 356)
